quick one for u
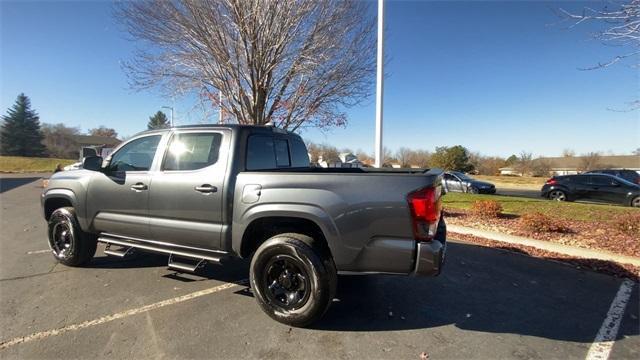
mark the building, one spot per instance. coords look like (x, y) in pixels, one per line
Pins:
(90, 145)
(350, 160)
(570, 165)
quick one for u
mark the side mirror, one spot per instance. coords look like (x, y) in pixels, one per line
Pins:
(93, 163)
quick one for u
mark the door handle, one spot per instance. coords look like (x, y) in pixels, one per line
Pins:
(206, 189)
(139, 187)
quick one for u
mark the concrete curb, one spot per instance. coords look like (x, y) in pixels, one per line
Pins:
(546, 245)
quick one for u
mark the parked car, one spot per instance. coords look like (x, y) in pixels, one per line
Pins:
(456, 181)
(206, 193)
(594, 187)
(629, 175)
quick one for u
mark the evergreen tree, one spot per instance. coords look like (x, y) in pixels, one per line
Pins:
(20, 134)
(158, 121)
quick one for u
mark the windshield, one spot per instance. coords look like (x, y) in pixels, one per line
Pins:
(461, 176)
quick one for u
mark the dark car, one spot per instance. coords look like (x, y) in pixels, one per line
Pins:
(456, 181)
(629, 175)
(594, 187)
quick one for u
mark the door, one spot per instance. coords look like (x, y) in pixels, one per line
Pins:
(606, 188)
(185, 204)
(452, 183)
(578, 186)
(117, 198)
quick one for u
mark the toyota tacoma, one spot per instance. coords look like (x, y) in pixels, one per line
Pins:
(205, 193)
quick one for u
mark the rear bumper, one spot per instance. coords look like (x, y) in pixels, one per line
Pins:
(430, 255)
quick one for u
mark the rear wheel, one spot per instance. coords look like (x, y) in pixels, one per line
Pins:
(473, 190)
(558, 195)
(69, 244)
(636, 201)
(293, 279)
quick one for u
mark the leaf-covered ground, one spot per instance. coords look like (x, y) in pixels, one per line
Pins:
(600, 234)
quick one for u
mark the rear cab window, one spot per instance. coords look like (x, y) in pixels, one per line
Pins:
(272, 152)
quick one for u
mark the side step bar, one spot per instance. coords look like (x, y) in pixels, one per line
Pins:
(185, 266)
(183, 253)
(122, 252)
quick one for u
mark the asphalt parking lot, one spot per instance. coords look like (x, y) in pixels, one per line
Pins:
(487, 304)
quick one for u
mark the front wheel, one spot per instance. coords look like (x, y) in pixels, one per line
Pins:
(69, 244)
(293, 280)
(636, 202)
(473, 190)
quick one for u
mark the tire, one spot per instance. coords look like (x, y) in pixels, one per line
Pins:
(293, 280)
(473, 190)
(635, 202)
(69, 244)
(558, 195)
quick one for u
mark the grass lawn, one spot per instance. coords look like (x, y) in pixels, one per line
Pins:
(31, 164)
(514, 182)
(518, 205)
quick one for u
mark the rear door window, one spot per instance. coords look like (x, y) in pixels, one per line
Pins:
(261, 153)
(192, 151)
(602, 180)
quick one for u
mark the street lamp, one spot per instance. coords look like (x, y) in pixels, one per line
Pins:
(379, 84)
(171, 108)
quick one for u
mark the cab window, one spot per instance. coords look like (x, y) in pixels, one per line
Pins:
(136, 155)
(192, 151)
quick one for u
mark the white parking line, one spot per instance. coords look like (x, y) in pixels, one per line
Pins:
(603, 343)
(38, 252)
(116, 316)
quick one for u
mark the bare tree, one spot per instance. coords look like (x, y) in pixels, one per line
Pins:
(541, 167)
(103, 131)
(419, 158)
(589, 161)
(403, 155)
(568, 153)
(524, 165)
(619, 23)
(60, 140)
(291, 62)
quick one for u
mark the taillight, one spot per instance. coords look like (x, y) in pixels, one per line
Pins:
(425, 205)
(552, 181)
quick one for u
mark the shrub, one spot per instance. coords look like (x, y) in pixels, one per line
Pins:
(486, 208)
(628, 224)
(538, 222)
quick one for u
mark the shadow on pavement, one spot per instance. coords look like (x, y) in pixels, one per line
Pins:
(7, 184)
(481, 289)
(484, 290)
(230, 270)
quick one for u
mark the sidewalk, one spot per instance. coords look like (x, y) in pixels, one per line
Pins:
(546, 245)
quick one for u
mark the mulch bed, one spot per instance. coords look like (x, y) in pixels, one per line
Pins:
(601, 266)
(599, 235)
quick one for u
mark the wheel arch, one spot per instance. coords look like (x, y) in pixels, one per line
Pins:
(259, 229)
(57, 198)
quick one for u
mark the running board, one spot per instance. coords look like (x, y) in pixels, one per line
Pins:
(183, 253)
(122, 252)
(185, 266)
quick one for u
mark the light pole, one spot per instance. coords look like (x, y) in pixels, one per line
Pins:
(379, 84)
(171, 108)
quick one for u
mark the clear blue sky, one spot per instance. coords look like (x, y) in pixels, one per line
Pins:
(496, 77)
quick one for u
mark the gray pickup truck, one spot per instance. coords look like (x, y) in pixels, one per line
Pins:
(205, 193)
